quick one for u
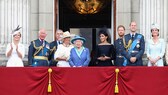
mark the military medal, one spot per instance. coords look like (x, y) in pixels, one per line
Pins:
(138, 41)
(47, 46)
(46, 54)
(138, 46)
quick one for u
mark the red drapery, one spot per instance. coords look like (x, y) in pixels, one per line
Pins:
(84, 81)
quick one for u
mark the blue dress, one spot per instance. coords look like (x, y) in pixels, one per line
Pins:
(79, 59)
(154, 50)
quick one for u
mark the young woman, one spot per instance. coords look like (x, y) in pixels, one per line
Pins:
(155, 48)
(105, 52)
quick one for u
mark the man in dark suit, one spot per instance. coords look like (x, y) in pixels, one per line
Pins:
(135, 46)
(39, 50)
(119, 46)
(53, 47)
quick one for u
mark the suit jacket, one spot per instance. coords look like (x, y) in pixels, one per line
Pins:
(82, 60)
(119, 47)
(33, 48)
(138, 50)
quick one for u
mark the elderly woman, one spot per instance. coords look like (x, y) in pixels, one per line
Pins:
(79, 55)
(62, 53)
(155, 48)
(15, 51)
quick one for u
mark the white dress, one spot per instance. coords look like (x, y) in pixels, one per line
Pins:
(63, 51)
(14, 60)
(156, 49)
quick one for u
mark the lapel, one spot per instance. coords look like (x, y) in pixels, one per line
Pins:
(77, 54)
(38, 42)
(135, 36)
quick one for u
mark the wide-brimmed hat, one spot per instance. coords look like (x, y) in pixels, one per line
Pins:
(66, 34)
(78, 38)
(155, 26)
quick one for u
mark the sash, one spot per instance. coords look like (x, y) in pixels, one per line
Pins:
(125, 62)
(134, 43)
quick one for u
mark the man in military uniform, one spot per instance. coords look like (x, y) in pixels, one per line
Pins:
(53, 47)
(135, 46)
(39, 51)
(119, 46)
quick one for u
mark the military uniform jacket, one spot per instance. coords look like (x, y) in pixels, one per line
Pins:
(137, 52)
(119, 47)
(39, 50)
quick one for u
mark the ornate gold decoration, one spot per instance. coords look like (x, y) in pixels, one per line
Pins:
(116, 83)
(49, 80)
(53, 49)
(87, 6)
(127, 46)
(37, 48)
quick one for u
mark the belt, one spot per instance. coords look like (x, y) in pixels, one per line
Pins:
(134, 51)
(40, 57)
(119, 56)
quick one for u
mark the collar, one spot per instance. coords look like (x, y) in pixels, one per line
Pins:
(132, 34)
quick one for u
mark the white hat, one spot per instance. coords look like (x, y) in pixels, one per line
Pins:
(66, 34)
(155, 26)
(15, 31)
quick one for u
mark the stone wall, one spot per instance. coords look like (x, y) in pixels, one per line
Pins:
(40, 16)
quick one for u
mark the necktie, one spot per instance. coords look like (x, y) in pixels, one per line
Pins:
(41, 42)
(133, 37)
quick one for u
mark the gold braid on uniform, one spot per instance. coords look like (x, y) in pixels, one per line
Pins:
(53, 49)
(127, 46)
(37, 48)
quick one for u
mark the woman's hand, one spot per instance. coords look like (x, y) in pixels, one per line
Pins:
(101, 58)
(11, 46)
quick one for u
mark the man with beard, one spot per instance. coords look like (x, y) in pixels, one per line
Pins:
(54, 45)
(119, 46)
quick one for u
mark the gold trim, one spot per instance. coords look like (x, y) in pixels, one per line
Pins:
(116, 83)
(127, 46)
(53, 49)
(37, 48)
(40, 57)
(49, 80)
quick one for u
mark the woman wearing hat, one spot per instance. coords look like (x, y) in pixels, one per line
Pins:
(62, 53)
(155, 48)
(15, 51)
(79, 55)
